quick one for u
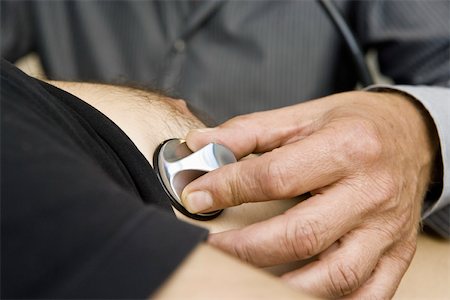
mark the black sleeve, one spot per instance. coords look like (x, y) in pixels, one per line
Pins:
(17, 29)
(82, 213)
(411, 38)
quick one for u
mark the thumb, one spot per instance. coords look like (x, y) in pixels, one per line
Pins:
(285, 172)
(227, 186)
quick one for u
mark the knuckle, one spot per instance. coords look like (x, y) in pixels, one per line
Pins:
(405, 253)
(236, 187)
(241, 250)
(388, 187)
(410, 247)
(362, 143)
(343, 278)
(378, 192)
(302, 239)
(272, 179)
(388, 229)
(384, 188)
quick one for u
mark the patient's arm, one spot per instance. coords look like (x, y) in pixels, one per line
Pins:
(130, 110)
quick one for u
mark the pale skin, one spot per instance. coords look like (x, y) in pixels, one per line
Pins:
(206, 272)
(365, 157)
(367, 160)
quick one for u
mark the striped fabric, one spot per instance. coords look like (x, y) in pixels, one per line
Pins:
(439, 221)
(235, 57)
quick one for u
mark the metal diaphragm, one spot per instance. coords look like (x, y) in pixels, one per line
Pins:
(176, 166)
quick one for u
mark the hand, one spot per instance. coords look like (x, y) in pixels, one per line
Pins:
(365, 157)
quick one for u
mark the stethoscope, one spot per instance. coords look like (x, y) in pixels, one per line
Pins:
(176, 165)
(362, 69)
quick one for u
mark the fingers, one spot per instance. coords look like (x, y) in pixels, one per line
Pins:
(388, 273)
(342, 269)
(257, 132)
(303, 231)
(283, 173)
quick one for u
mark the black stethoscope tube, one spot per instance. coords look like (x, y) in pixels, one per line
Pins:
(353, 46)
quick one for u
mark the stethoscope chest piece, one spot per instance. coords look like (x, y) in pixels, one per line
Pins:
(176, 166)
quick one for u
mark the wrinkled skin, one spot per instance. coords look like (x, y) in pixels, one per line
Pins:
(366, 158)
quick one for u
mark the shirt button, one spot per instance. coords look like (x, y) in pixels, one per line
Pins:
(179, 45)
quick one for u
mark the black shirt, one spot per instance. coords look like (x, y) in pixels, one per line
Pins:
(82, 213)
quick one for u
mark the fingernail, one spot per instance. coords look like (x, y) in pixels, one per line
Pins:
(198, 201)
(203, 130)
